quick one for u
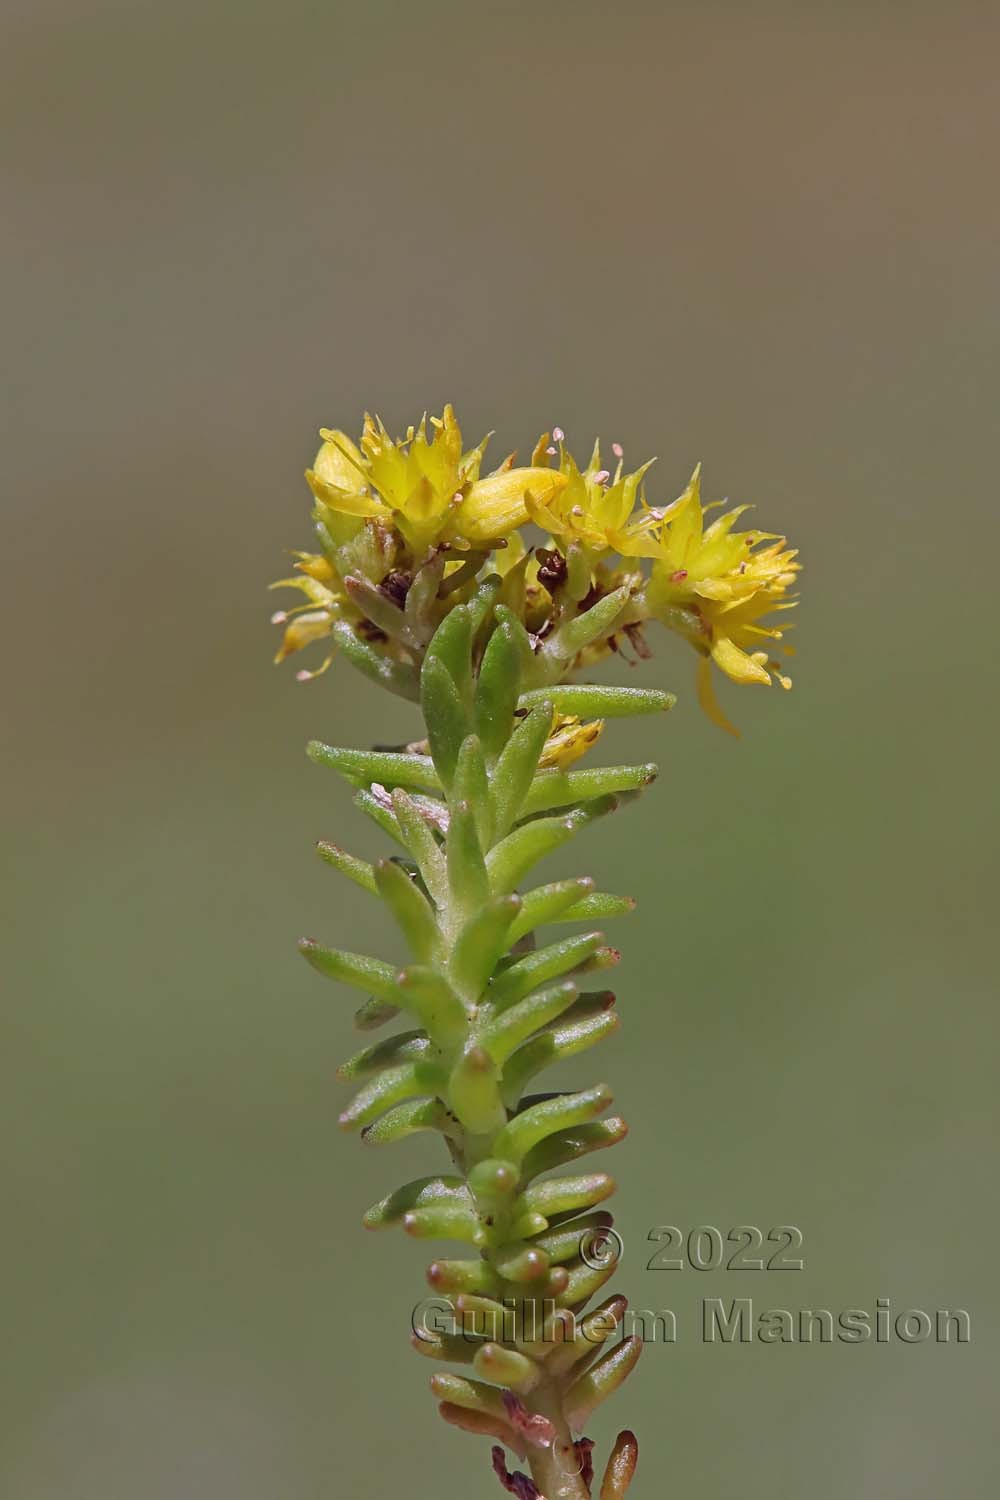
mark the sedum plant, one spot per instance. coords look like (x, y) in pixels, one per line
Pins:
(423, 582)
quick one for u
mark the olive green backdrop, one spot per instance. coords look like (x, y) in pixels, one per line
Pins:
(763, 236)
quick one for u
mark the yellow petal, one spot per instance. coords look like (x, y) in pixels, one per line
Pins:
(346, 503)
(736, 664)
(708, 700)
(496, 505)
(339, 462)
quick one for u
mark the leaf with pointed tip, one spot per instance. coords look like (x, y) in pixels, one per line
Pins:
(374, 1013)
(581, 631)
(391, 1086)
(557, 1195)
(506, 1032)
(470, 785)
(398, 677)
(451, 648)
(483, 1424)
(538, 1121)
(419, 840)
(424, 1192)
(589, 700)
(408, 1119)
(553, 788)
(377, 807)
(428, 996)
(407, 1046)
(480, 943)
(540, 966)
(409, 906)
(358, 870)
(358, 969)
(601, 1381)
(563, 1244)
(474, 1091)
(510, 860)
(496, 691)
(378, 607)
(548, 903)
(506, 1367)
(362, 767)
(569, 1145)
(586, 1022)
(517, 764)
(468, 881)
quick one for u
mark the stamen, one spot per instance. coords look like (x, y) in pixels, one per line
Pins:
(602, 476)
(280, 617)
(618, 450)
(552, 449)
(679, 576)
(558, 434)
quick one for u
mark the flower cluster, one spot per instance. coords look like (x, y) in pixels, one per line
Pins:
(408, 528)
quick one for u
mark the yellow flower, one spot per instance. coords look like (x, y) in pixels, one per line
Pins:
(595, 508)
(568, 739)
(715, 586)
(326, 601)
(425, 487)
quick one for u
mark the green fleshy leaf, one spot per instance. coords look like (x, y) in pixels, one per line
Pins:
(408, 1119)
(582, 1026)
(513, 624)
(517, 763)
(410, 908)
(548, 903)
(358, 870)
(375, 808)
(474, 1092)
(473, 1395)
(397, 677)
(351, 968)
(522, 1263)
(444, 1221)
(428, 996)
(450, 1276)
(601, 1381)
(585, 1281)
(507, 1031)
(468, 880)
(444, 715)
(496, 692)
(391, 1086)
(374, 1013)
(506, 1367)
(480, 944)
(553, 788)
(539, 966)
(452, 1348)
(451, 647)
(470, 785)
(590, 701)
(390, 768)
(510, 860)
(420, 842)
(563, 1244)
(598, 906)
(574, 635)
(406, 1046)
(559, 1195)
(537, 1122)
(424, 1192)
(564, 1146)
(378, 607)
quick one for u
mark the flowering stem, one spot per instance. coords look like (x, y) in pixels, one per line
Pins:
(493, 1008)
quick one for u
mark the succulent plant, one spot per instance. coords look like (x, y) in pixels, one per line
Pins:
(423, 583)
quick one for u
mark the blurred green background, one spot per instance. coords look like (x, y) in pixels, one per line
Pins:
(758, 235)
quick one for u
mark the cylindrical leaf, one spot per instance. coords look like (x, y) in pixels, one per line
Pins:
(496, 692)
